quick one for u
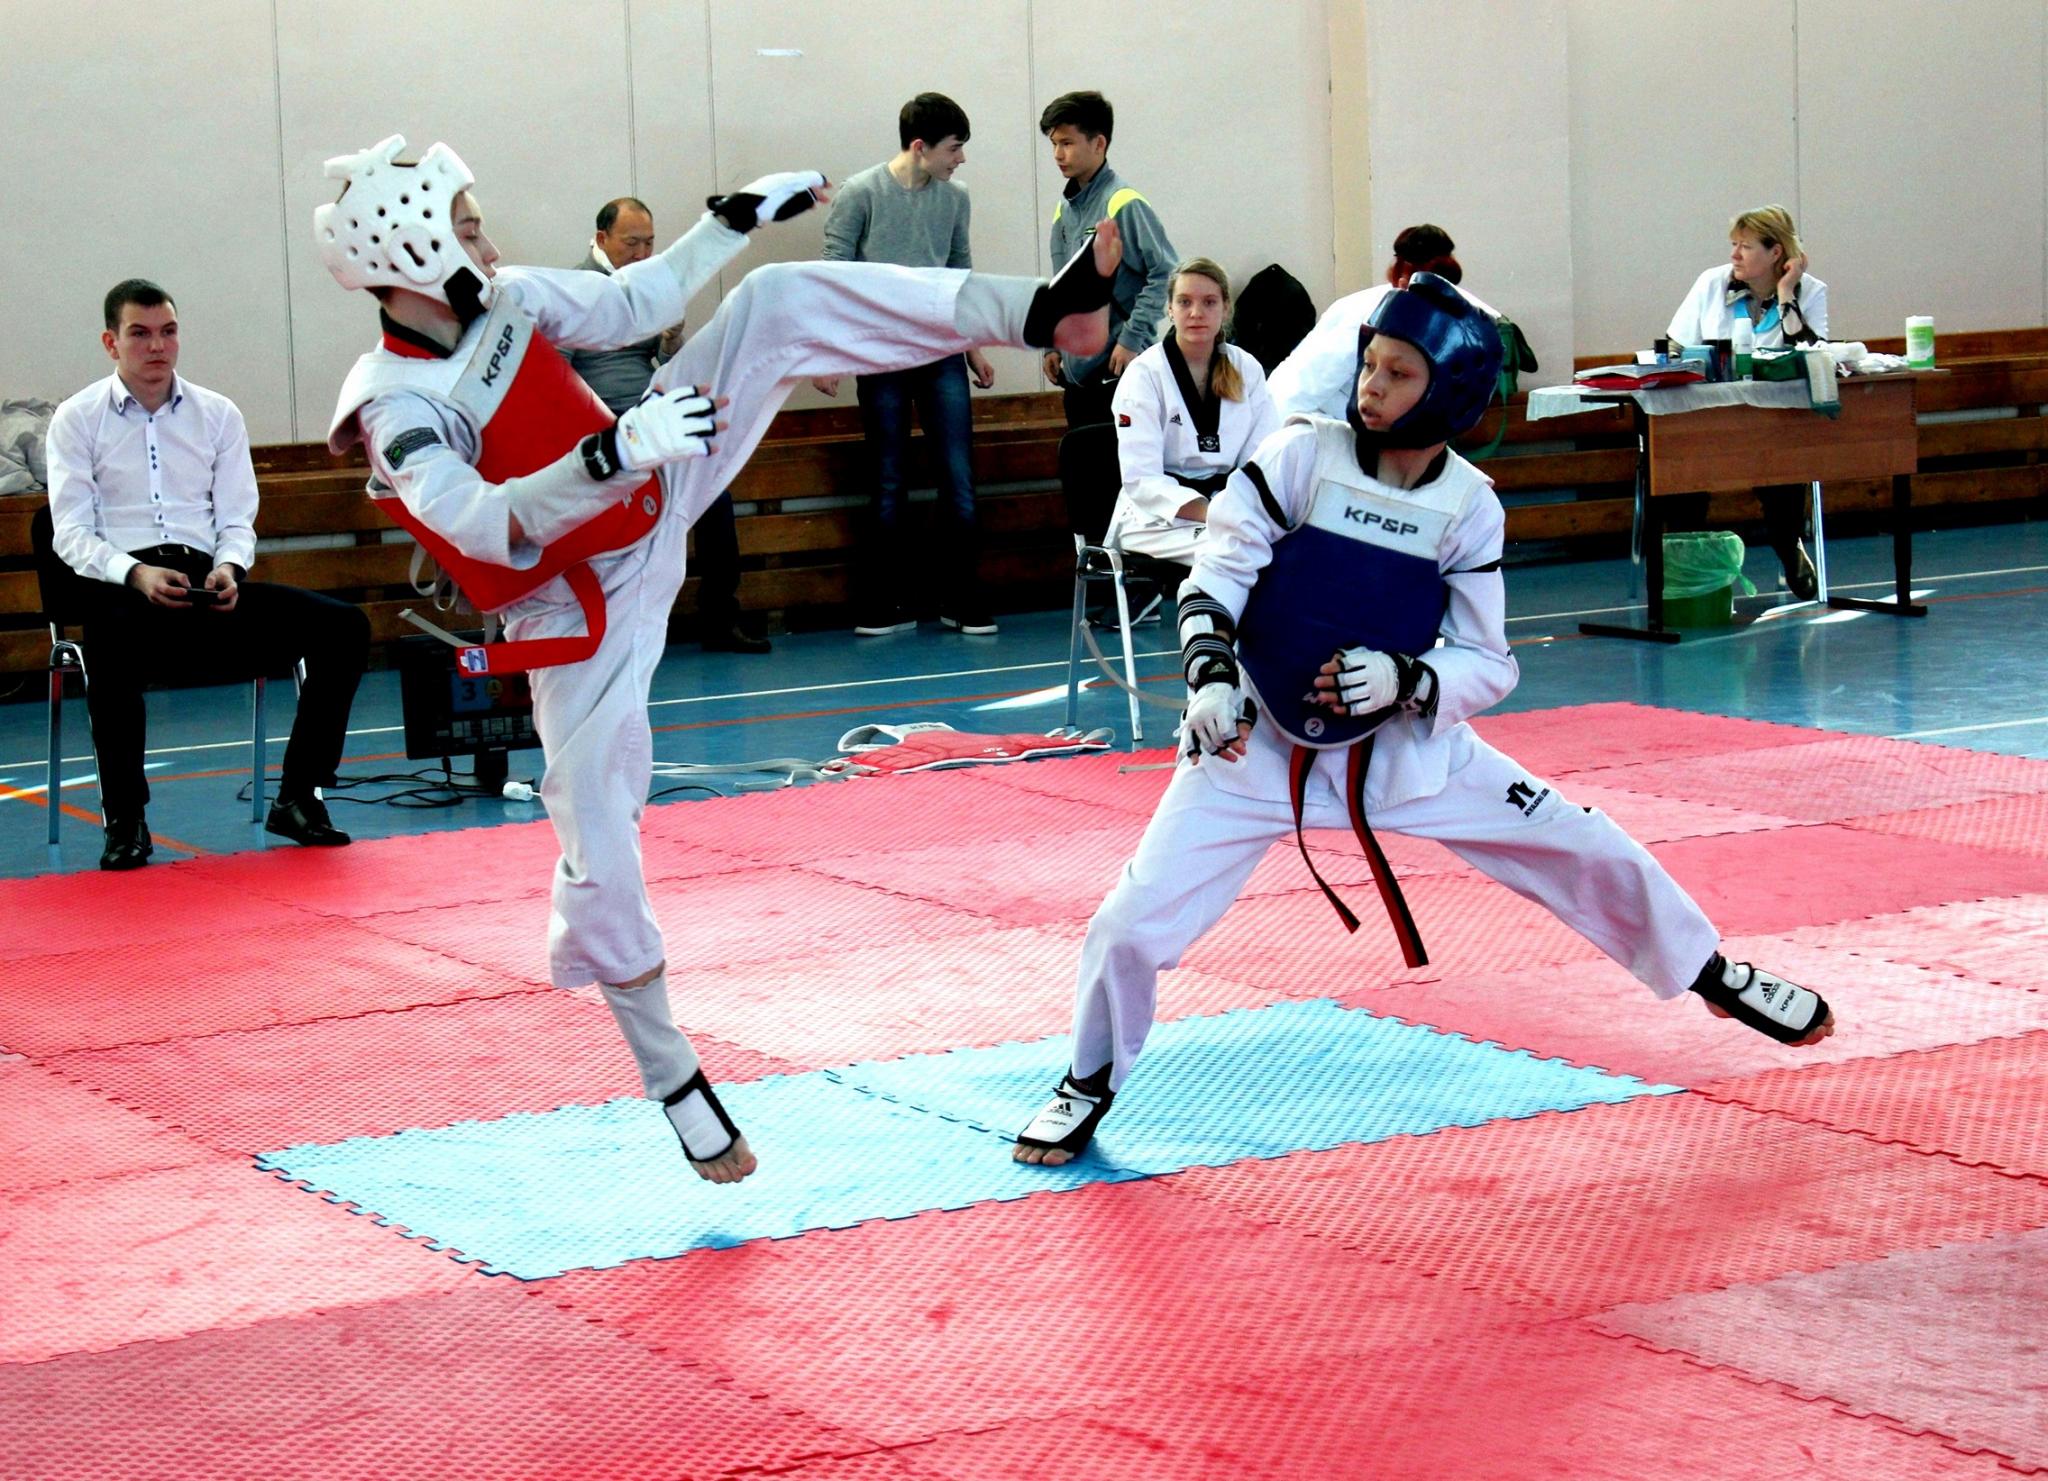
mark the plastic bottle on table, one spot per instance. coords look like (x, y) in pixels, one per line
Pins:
(1742, 337)
(1920, 342)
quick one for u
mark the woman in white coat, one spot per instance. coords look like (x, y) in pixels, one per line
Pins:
(1189, 411)
(1766, 282)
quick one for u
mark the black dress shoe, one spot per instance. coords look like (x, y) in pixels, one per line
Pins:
(128, 845)
(304, 820)
(734, 639)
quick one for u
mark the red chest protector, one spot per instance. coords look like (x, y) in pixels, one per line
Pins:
(529, 408)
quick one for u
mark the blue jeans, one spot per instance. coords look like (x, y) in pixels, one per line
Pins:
(883, 559)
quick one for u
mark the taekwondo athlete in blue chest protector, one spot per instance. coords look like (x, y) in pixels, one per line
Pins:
(1345, 618)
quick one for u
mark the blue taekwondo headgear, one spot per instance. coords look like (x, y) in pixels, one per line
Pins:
(1460, 341)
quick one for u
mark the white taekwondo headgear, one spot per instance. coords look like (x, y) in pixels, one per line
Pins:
(394, 225)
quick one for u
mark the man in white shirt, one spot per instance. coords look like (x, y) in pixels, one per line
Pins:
(153, 504)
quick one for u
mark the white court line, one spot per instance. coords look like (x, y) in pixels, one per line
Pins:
(1023, 668)
(1967, 729)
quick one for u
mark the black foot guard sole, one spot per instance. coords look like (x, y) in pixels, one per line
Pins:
(698, 1085)
(1075, 289)
(1068, 1122)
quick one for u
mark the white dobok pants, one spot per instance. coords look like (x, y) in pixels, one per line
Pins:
(1204, 841)
(785, 323)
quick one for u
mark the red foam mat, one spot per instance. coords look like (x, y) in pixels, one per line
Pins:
(55, 914)
(481, 1385)
(472, 865)
(1129, 782)
(1757, 883)
(153, 1255)
(1034, 882)
(124, 993)
(1946, 1339)
(1597, 1014)
(1980, 1103)
(57, 1132)
(1579, 738)
(2010, 825)
(917, 997)
(1835, 777)
(874, 813)
(758, 915)
(1637, 1201)
(1996, 940)
(1296, 945)
(904, 1329)
(381, 1073)
(1557, 1402)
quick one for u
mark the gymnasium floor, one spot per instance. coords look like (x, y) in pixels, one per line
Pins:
(308, 1174)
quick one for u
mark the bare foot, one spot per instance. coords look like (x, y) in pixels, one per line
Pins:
(1088, 334)
(737, 1163)
(1821, 1030)
(1042, 1156)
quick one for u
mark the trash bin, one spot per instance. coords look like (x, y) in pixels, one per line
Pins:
(1701, 572)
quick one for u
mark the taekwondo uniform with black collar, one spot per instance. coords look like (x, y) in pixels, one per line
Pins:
(1427, 775)
(1175, 440)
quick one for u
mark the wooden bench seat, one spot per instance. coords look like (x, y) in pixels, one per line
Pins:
(1566, 481)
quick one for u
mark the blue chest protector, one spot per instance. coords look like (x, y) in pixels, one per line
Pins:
(1362, 569)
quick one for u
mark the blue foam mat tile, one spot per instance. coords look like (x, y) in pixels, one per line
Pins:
(1302, 1075)
(537, 1194)
(589, 1187)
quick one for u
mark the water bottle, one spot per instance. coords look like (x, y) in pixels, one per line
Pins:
(519, 792)
(1920, 342)
(1742, 336)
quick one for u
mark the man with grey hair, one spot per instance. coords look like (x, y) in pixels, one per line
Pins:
(625, 235)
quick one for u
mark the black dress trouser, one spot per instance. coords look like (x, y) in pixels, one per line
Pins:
(129, 640)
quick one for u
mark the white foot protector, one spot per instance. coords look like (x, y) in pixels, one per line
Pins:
(669, 1069)
(1784, 1010)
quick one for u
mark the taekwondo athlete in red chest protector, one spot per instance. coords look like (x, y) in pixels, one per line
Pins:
(1344, 619)
(571, 525)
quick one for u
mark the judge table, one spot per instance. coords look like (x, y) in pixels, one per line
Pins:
(1732, 436)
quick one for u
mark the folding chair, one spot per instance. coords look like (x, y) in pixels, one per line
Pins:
(61, 595)
(1090, 480)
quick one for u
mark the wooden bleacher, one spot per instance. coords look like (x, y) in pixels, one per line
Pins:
(1566, 482)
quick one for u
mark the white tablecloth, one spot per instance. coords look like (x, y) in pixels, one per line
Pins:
(1565, 401)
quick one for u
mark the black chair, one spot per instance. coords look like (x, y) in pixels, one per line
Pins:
(61, 592)
(1090, 481)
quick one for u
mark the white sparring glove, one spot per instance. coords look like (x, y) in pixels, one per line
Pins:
(1216, 697)
(1211, 718)
(667, 427)
(771, 198)
(1370, 681)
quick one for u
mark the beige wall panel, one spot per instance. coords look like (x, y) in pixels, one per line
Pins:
(534, 100)
(1222, 120)
(1469, 128)
(1921, 161)
(1663, 153)
(813, 84)
(674, 163)
(141, 141)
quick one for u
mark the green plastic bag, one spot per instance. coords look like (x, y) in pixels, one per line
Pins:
(1701, 572)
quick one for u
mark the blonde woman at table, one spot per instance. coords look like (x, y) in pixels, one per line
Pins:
(1766, 282)
(1188, 412)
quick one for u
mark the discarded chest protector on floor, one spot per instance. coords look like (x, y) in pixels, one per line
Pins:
(877, 750)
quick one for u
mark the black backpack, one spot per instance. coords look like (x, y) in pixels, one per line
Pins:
(1273, 314)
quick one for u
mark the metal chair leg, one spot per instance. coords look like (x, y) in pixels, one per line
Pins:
(1074, 644)
(53, 796)
(1123, 622)
(256, 689)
